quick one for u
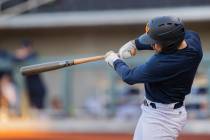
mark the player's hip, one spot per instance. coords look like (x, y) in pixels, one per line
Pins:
(166, 115)
(159, 123)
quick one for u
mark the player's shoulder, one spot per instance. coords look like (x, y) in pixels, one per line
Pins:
(163, 64)
(155, 60)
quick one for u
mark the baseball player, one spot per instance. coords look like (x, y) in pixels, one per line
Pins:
(168, 75)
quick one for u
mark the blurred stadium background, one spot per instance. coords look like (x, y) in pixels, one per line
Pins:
(88, 101)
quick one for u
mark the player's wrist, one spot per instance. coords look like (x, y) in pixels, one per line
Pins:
(111, 57)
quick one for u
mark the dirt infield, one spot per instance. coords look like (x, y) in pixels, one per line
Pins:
(25, 135)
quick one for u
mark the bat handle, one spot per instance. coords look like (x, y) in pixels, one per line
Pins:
(88, 59)
(96, 58)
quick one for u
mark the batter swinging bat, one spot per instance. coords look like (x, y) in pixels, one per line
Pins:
(39, 68)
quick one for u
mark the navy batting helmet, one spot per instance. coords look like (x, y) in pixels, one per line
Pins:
(166, 30)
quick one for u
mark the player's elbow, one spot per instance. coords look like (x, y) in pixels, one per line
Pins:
(128, 80)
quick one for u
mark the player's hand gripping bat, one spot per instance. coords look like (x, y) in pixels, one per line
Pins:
(39, 68)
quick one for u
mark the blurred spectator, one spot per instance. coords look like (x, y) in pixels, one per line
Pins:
(8, 94)
(128, 106)
(94, 106)
(34, 83)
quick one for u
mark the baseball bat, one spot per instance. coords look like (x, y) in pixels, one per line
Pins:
(44, 67)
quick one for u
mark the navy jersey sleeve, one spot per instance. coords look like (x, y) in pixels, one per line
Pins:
(141, 46)
(151, 71)
(193, 40)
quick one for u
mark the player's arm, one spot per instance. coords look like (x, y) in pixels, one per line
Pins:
(125, 50)
(193, 39)
(139, 74)
(148, 72)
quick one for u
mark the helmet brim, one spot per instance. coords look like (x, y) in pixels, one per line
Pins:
(146, 39)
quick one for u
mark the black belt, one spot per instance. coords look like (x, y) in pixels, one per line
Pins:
(153, 105)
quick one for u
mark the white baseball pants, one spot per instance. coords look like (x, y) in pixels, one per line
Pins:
(162, 123)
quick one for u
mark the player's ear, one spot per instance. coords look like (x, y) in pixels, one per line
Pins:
(157, 47)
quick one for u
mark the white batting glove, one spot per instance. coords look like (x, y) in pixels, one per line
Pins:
(110, 57)
(127, 50)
